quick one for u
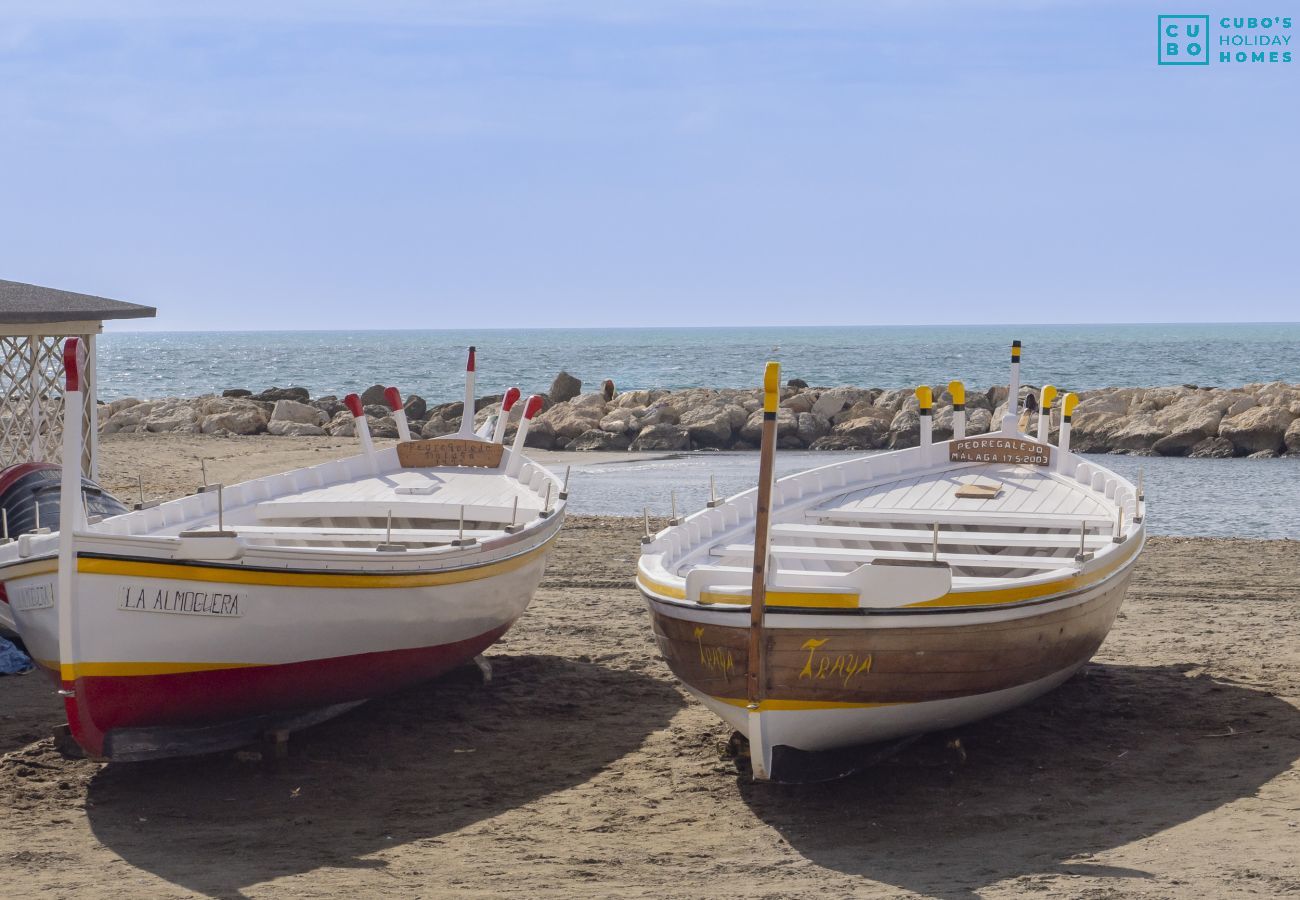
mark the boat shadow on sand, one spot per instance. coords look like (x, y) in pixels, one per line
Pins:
(399, 770)
(1115, 755)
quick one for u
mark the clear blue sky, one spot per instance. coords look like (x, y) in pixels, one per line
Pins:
(286, 163)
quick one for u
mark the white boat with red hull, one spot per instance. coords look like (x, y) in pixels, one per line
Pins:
(192, 624)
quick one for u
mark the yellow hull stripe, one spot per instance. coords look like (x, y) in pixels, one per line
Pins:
(71, 672)
(810, 599)
(799, 705)
(234, 575)
(850, 600)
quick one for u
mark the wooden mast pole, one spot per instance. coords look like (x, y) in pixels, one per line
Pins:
(762, 538)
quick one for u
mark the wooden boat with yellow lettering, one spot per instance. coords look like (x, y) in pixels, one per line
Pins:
(199, 623)
(893, 594)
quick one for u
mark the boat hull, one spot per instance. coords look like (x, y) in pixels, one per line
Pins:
(837, 681)
(165, 644)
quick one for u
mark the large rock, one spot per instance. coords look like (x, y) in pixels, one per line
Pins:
(247, 419)
(1240, 404)
(540, 435)
(342, 425)
(1292, 437)
(1185, 427)
(1258, 428)
(1138, 433)
(868, 431)
(1213, 448)
(838, 399)
(713, 425)
(118, 405)
(660, 412)
(330, 405)
(787, 426)
(905, 429)
(374, 396)
(564, 387)
(599, 439)
(271, 395)
(571, 418)
(294, 429)
(893, 400)
(810, 427)
(437, 428)
(291, 411)
(799, 403)
(382, 426)
(662, 437)
(129, 418)
(620, 420)
(416, 407)
(175, 418)
(978, 421)
(629, 399)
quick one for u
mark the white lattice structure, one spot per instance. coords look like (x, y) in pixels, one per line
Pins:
(34, 322)
(31, 399)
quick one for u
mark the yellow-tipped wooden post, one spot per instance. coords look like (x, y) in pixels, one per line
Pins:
(1068, 403)
(958, 392)
(1013, 390)
(1045, 400)
(762, 542)
(925, 411)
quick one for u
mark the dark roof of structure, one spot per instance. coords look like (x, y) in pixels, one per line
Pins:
(22, 304)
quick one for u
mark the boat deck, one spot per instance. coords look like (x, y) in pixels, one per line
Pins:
(1032, 522)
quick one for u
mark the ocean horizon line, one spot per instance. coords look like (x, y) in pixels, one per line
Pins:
(747, 327)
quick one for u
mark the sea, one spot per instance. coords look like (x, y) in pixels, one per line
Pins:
(1241, 498)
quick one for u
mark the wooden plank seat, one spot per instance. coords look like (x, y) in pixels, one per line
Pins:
(866, 534)
(943, 517)
(850, 554)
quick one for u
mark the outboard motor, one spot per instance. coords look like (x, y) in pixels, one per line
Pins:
(29, 493)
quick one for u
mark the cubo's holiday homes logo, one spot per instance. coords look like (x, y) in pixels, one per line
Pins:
(1186, 40)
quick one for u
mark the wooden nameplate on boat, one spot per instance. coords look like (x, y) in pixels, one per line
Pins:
(992, 448)
(438, 452)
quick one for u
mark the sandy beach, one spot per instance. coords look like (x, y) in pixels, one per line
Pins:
(1167, 768)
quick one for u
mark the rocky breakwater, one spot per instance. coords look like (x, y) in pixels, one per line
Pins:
(1253, 420)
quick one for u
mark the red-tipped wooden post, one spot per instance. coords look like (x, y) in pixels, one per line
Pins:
(362, 428)
(467, 411)
(70, 515)
(507, 403)
(531, 408)
(393, 397)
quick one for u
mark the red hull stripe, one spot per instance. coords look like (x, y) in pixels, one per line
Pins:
(103, 703)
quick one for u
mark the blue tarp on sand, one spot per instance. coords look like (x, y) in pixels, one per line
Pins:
(12, 660)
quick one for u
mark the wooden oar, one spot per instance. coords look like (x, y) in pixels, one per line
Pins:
(762, 539)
